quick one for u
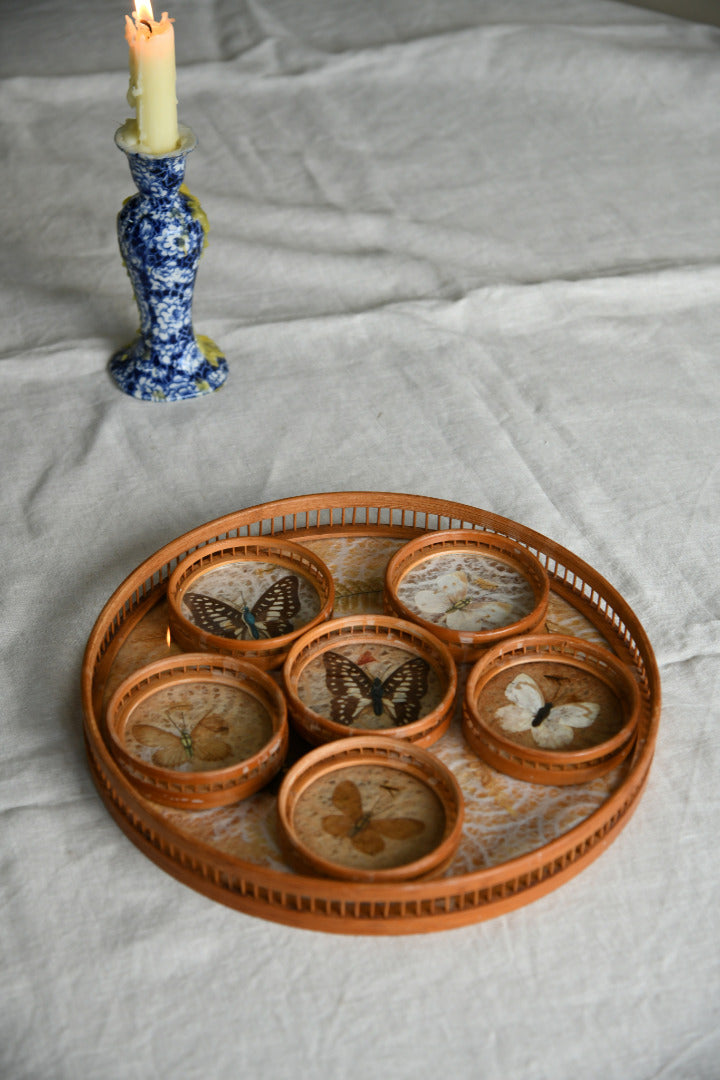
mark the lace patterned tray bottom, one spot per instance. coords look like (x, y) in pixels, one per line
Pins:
(504, 818)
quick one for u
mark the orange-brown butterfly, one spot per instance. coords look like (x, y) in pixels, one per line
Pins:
(270, 615)
(352, 689)
(202, 741)
(365, 831)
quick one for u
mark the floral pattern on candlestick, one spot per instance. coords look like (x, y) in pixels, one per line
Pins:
(162, 231)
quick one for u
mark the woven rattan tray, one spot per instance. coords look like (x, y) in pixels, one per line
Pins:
(520, 840)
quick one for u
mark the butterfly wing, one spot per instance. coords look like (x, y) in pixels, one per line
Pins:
(350, 687)
(214, 722)
(368, 840)
(337, 825)
(448, 589)
(347, 799)
(479, 615)
(526, 698)
(215, 616)
(399, 828)
(514, 718)
(404, 689)
(431, 603)
(578, 714)
(557, 730)
(206, 742)
(274, 611)
(169, 750)
(525, 692)
(552, 736)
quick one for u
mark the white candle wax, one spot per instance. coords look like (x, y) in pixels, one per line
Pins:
(152, 80)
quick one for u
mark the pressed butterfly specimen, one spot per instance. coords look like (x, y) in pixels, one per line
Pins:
(352, 689)
(270, 616)
(449, 598)
(551, 725)
(361, 827)
(201, 741)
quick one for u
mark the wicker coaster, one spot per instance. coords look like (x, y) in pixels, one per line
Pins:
(370, 673)
(370, 809)
(551, 709)
(248, 598)
(197, 730)
(471, 589)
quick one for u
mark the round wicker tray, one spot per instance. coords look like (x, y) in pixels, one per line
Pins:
(275, 892)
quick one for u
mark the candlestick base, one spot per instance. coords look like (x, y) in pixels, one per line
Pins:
(161, 232)
(143, 372)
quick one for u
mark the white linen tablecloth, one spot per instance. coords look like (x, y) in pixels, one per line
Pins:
(464, 249)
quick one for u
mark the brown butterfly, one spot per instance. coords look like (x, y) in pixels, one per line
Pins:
(202, 741)
(364, 831)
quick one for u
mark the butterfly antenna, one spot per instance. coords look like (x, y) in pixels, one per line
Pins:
(377, 808)
(178, 727)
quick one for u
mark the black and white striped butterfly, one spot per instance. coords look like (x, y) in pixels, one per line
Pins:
(270, 616)
(352, 689)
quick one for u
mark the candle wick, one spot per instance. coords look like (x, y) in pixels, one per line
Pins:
(146, 23)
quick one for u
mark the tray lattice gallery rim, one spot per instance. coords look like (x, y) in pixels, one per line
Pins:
(350, 907)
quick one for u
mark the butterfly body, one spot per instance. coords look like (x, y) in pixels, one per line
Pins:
(186, 740)
(458, 605)
(352, 689)
(251, 623)
(270, 616)
(542, 714)
(360, 825)
(376, 696)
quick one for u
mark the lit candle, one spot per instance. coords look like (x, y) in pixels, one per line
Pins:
(152, 80)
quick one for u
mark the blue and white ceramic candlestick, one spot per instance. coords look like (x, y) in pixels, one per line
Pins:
(161, 231)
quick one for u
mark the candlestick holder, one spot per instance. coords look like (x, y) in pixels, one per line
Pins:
(161, 232)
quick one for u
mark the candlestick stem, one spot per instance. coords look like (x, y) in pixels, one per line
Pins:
(161, 232)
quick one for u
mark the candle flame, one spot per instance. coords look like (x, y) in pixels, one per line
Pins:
(168, 638)
(144, 11)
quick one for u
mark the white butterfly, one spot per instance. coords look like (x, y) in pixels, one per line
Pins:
(551, 725)
(449, 597)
